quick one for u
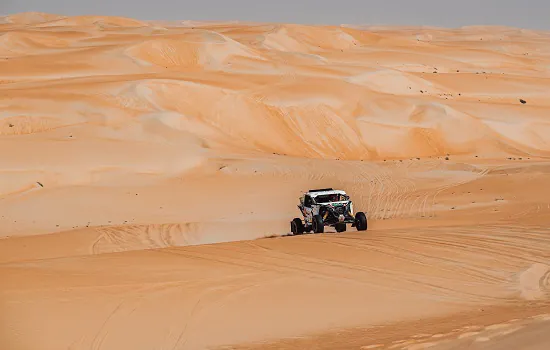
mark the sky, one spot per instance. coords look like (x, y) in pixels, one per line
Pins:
(529, 14)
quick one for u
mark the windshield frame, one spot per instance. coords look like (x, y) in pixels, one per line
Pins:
(338, 197)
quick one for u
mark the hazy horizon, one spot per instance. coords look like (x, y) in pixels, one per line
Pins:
(529, 14)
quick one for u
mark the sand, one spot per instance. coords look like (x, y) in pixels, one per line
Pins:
(150, 170)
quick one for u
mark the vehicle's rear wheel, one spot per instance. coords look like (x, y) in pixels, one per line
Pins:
(318, 225)
(296, 226)
(340, 227)
(361, 221)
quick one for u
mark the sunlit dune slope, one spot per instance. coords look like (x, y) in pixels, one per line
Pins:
(116, 103)
(149, 168)
(336, 92)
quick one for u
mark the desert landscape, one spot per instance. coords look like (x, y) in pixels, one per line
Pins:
(150, 171)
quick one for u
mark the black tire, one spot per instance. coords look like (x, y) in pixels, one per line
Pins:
(296, 226)
(361, 221)
(340, 227)
(318, 224)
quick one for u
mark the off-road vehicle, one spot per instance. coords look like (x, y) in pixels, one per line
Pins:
(326, 207)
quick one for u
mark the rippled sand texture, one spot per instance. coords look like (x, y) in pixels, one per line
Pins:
(149, 171)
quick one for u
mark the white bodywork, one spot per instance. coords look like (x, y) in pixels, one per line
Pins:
(309, 212)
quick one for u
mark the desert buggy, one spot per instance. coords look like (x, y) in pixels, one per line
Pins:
(326, 207)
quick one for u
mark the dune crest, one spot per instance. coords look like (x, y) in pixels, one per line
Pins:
(31, 18)
(197, 49)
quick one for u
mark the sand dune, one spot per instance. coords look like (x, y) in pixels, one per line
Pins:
(150, 169)
(191, 50)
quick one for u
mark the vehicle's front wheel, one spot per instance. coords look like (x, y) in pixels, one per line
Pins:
(296, 226)
(361, 221)
(318, 224)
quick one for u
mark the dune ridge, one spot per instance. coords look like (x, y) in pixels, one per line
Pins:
(150, 169)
